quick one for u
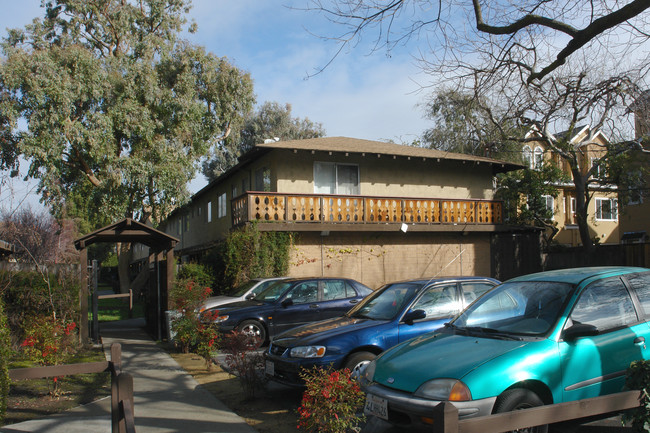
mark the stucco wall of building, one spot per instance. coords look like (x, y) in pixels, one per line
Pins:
(378, 258)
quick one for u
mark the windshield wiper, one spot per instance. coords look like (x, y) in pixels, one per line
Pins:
(491, 332)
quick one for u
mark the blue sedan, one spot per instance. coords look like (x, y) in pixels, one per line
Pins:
(394, 313)
(287, 304)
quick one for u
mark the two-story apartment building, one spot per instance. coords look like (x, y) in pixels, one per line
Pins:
(369, 210)
(602, 215)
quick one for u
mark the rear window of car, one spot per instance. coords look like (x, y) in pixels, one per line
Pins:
(640, 283)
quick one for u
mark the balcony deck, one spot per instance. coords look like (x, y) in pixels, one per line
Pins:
(335, 211)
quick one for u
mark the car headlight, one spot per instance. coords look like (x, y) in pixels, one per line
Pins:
(444, 390)
(220, 319)
(368, 372)
(307, 352)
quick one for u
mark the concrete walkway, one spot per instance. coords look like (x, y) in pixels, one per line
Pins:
(166, 398)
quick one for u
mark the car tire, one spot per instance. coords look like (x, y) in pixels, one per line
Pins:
(516, 399)
(357, 360)
(254, 329)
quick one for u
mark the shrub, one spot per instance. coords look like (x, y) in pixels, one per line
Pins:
(331, 402)
(638, 377)
(30, 294)
(248, 253)
(190, 332)
(244, 361)
(49, 341)
(200, 274)
(4, 360)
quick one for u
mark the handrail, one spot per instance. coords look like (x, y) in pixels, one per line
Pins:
(122, 418)
(353, 209)
(445, 414)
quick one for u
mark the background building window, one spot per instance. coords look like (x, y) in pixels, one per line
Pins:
(549, 204)
(221, 211)
(209, 213)
(538, 158)
(263, 179)
(332, 178)
(606, 209)
(527, 156)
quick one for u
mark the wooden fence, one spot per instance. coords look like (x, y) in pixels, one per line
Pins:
(445, 416)
(122, 416)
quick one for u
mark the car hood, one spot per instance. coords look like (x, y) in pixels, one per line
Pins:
(437, 355)
(320, 331)
(213, 301)
(241, 305)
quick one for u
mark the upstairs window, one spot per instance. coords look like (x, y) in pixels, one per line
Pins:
(538, 158)
(549, 204)
(606, 209)
(527, 153)
(332, 178)
(263, 179)
(221, 208)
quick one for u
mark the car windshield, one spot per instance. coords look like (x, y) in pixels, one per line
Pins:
(528, 308)
(273, 292)
(242, 289)
(387, 302)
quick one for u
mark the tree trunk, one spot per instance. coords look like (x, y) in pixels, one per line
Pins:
(582, 207)
(123, 261)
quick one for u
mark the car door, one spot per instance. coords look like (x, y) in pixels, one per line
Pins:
(596, 365)
(471, 290)
(440, 302)
(336, 298)
(298, 306)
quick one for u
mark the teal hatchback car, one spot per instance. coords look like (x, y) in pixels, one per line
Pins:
(538, 339)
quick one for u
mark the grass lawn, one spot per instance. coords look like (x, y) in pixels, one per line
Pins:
(31, 399)
(117, 309)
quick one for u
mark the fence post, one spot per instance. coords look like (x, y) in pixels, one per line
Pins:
(116, 366)
(125, 394)
(445, 418)
(130, 303)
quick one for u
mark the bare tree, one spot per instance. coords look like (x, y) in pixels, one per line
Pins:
(537, 35)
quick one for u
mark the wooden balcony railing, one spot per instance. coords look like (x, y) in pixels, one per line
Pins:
(346, 209)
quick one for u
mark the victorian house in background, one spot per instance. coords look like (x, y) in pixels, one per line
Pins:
(602, 214)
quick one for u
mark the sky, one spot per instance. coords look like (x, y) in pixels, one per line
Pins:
(360, 94)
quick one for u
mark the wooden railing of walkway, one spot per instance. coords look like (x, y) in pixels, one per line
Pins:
(348, 209)
(122, 411)
(445, 415)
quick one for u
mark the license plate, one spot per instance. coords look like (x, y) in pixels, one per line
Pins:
(376, 406)
(270, 368)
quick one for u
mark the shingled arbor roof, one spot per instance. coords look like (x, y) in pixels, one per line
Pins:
(131, 231)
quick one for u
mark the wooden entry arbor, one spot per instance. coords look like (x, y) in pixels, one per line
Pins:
(160, 246)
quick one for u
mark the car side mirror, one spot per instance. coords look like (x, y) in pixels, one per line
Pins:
(413, 315)
(287, 303)
(578, 330)
(250, 296)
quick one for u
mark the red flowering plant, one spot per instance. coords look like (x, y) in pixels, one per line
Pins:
(244, 361)
(331, 403)
(48, 341)
(191, 330)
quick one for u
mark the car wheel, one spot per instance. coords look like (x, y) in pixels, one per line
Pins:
(357, 361)
(253, 329)
(519, 398)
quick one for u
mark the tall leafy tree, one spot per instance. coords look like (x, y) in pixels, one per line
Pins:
(271, 121)
(118, 108)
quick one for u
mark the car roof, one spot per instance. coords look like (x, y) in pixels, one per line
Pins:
(441, 279)
(577, 275)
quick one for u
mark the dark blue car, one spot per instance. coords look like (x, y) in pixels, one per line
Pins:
(392, 314)
(287, 304)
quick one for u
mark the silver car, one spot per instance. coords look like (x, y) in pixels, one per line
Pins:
(244, 292)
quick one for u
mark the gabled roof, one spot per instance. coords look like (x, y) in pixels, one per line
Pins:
(347, 145)
(128, 230)
(370, 147)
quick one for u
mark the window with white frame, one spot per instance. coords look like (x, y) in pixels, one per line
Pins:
(599, 172)
(333, 178)
(209, 213)
(538, 158)
(549, 204)
(606, 209)
(221, 208)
